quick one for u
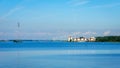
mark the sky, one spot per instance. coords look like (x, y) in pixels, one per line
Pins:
(58, 19)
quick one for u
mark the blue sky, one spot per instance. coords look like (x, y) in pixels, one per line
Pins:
(57, 19)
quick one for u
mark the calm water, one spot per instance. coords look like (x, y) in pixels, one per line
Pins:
(49, 54)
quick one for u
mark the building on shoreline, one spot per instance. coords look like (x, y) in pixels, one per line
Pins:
(81, 39)
(70, 39)
(92, 39)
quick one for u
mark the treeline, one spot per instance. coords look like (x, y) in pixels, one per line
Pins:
(108, 39)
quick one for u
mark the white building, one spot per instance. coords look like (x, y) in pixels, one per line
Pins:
(92, 39)
(70, 39)
(81, 39)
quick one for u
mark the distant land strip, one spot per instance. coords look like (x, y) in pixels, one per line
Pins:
(108, 39)
(98, 39)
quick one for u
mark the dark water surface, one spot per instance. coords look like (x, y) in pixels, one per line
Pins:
(57, 54)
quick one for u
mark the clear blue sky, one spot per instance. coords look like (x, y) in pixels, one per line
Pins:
(57, 19)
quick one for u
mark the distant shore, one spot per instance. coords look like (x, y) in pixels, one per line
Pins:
(108, 39)
(98, 39)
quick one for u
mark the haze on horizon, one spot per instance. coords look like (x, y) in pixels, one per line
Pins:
(58, 19)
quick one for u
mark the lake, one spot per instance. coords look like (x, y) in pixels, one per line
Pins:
(59, 54)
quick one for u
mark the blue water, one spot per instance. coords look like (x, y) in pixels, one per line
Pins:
(58, 54)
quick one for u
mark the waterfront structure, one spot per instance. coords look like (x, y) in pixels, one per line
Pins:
(75, 39)
(70, 39)
(81, 39)
(92, 39)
